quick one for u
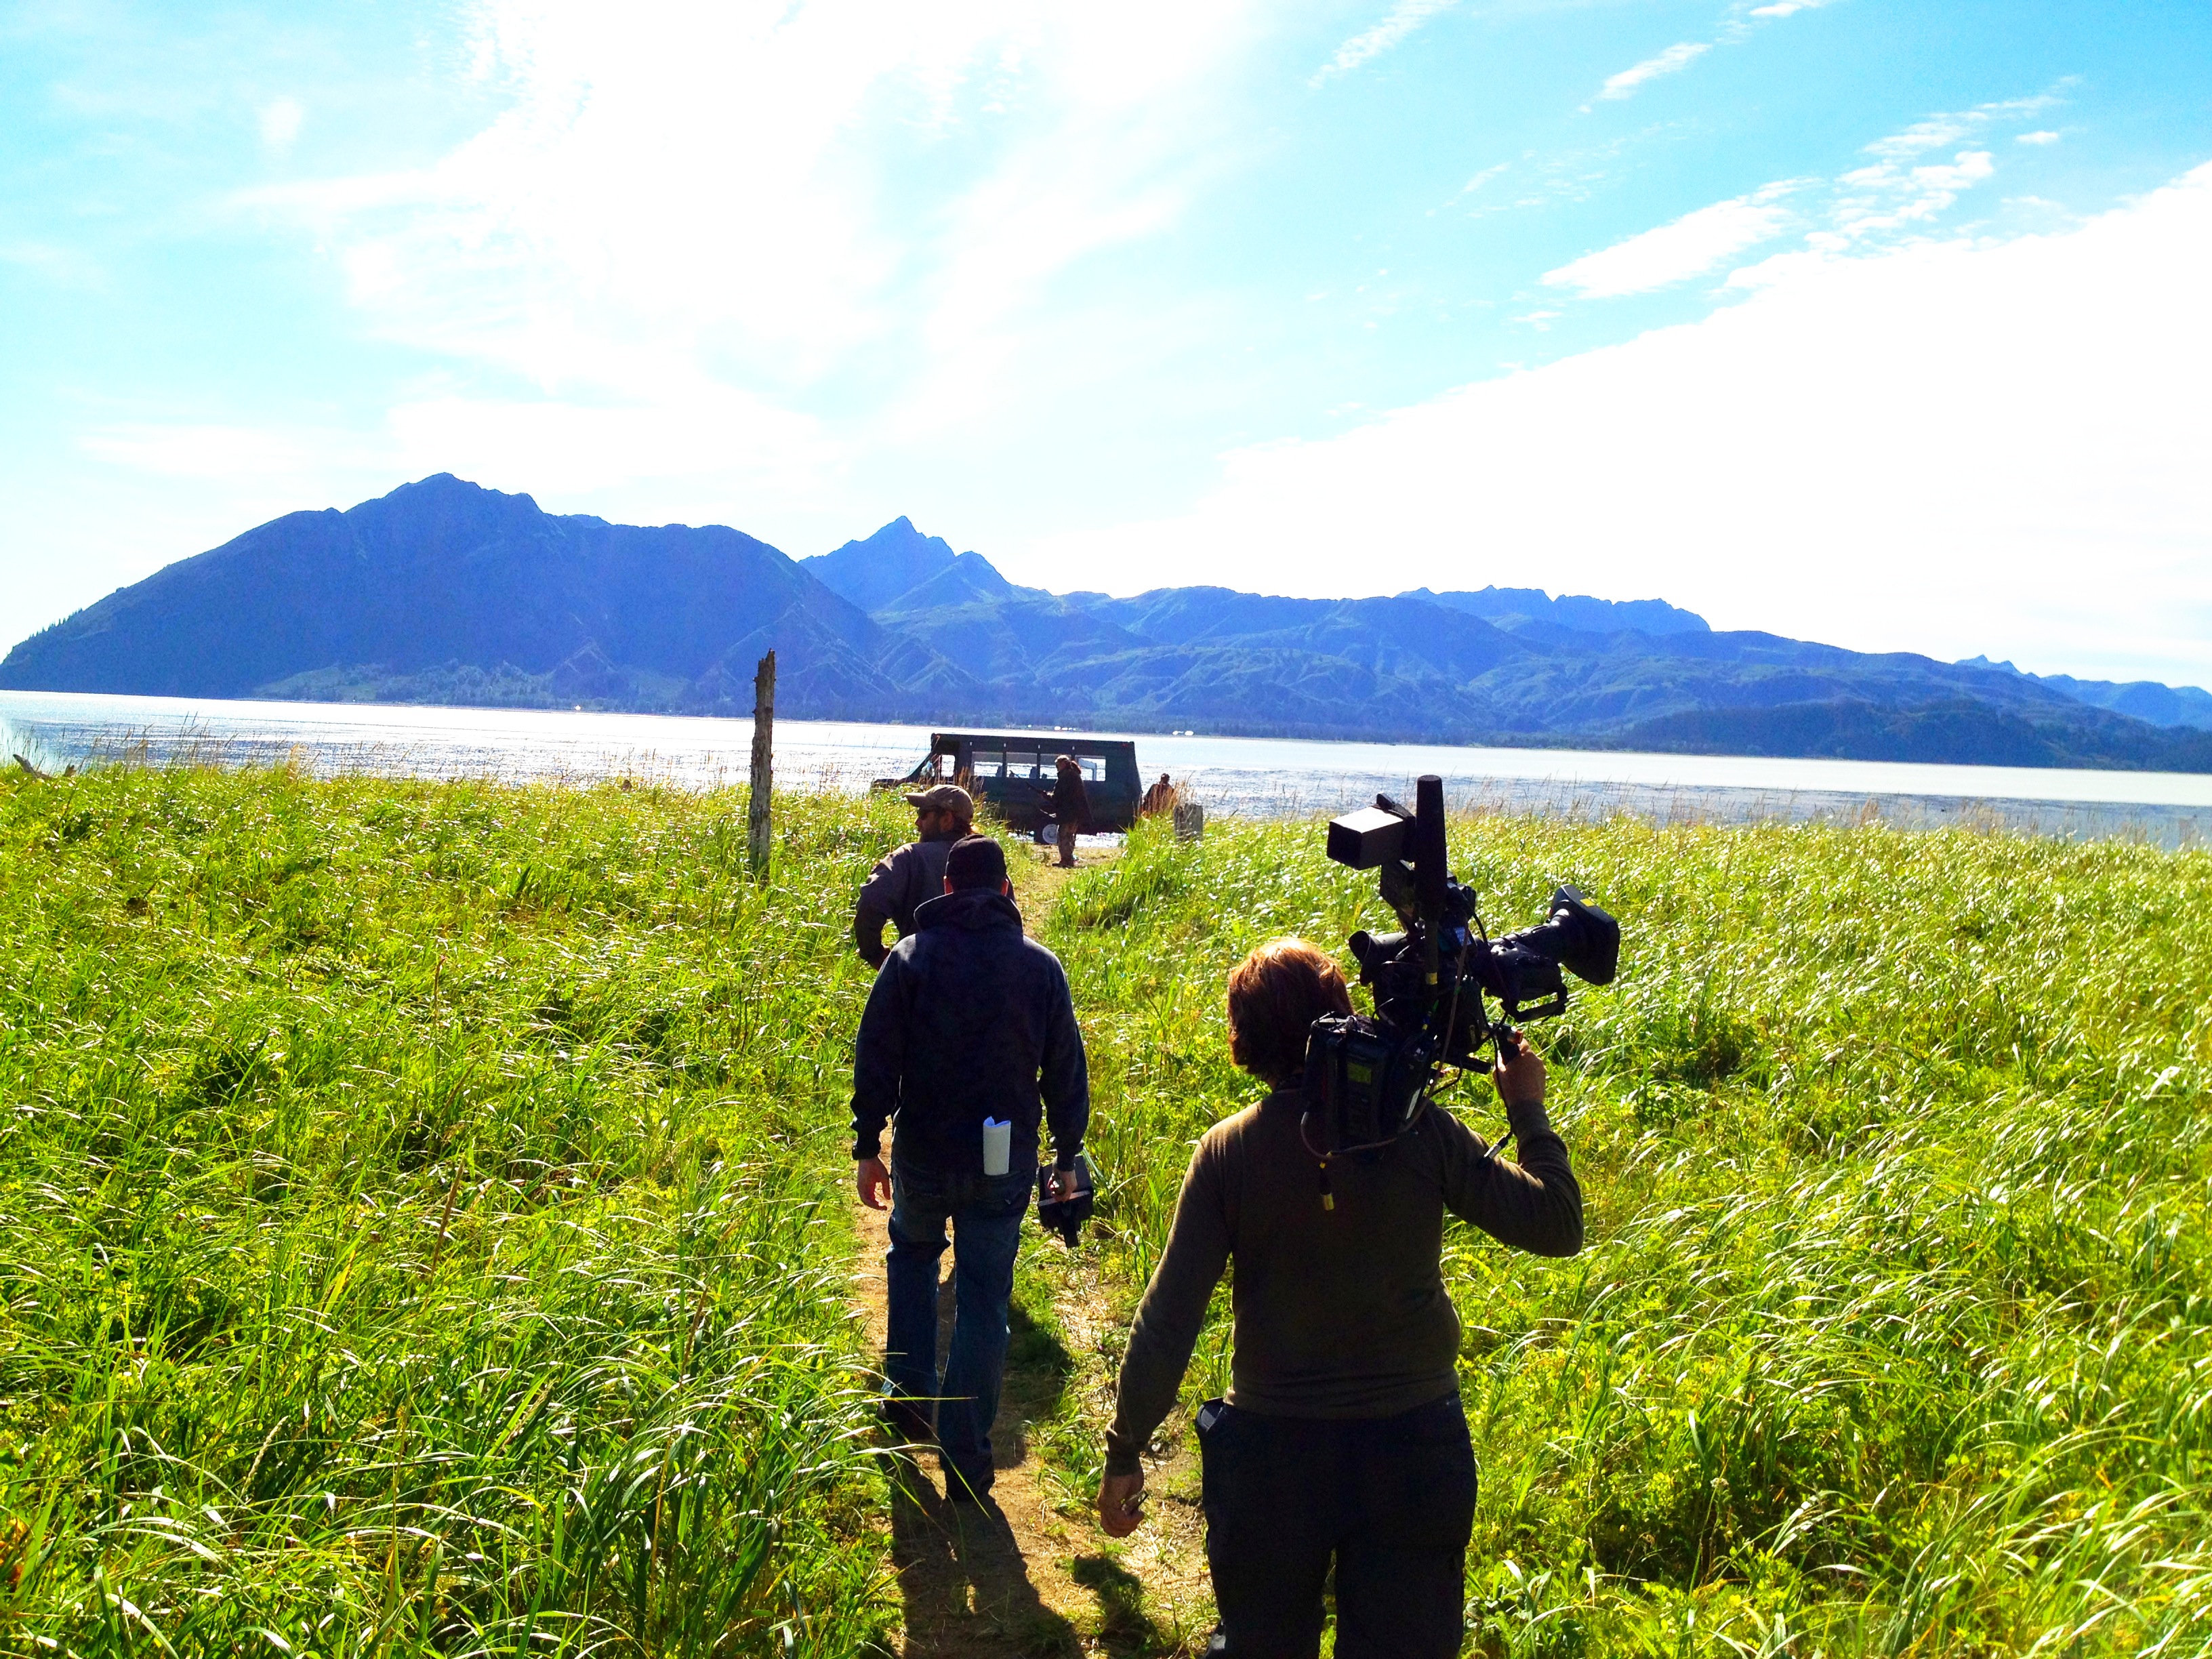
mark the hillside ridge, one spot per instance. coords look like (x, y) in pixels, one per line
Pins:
(447, 592)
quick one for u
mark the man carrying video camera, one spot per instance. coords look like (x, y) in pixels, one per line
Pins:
(969, 1040)
(1341, 1440)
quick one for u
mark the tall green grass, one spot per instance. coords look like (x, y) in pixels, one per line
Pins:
(422, 1225)
(422, 1222)
(1894, 1332)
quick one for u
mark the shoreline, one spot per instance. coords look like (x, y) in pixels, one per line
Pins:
(1279, 798)
(1306, 779)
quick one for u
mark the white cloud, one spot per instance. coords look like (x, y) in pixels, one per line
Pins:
(1787, 8)
(1679, 56)
(1900, 191)
(2036, 138)
(280, 123)
(1689, 246)
(1889, 197)
(1899, 195)
(1949, 447)
(685, 197)
(1941, 131)
(1404, 18)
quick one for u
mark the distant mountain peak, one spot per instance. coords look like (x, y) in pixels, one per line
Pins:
(445, 591)
(900, 569)
(448, 484)
(901, 536)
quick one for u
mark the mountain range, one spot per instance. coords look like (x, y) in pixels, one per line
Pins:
(445, 591)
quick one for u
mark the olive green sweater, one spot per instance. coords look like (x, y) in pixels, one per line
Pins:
(1339, 1312)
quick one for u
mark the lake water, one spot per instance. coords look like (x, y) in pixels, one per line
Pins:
(1251, 776)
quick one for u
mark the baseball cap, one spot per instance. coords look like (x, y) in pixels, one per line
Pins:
(944, 797)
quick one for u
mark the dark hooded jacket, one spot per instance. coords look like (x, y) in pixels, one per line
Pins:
(1071, 803)
(968, 1020)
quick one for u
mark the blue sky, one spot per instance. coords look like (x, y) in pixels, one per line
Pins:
(1861, 320)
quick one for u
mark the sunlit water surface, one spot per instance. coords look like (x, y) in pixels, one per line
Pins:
(1252, 775)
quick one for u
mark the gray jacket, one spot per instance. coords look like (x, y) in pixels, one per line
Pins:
(900, 885)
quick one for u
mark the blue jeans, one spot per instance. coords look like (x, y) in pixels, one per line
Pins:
(985, 1213)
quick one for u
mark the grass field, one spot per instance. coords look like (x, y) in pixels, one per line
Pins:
(422, 1222)
(424, 1226)
(1894, 1333)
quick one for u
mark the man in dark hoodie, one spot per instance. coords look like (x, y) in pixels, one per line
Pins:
(969, 1020)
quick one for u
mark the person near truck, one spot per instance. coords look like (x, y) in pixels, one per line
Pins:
(1070, 807)
(968, 1047)
(913, 874)
(1341, 1440)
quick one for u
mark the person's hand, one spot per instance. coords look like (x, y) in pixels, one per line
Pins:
(1058, 1184)
(1520, 1073)
(873, 1181)
(1120, 1499)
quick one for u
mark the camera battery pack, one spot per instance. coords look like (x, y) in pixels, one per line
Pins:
(1362, 1083)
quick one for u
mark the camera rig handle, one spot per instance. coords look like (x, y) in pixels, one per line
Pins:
(1432, 869)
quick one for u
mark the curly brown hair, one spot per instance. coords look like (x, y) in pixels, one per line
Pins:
(1274, 995)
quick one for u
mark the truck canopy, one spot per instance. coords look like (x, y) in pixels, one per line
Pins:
(1014, 771)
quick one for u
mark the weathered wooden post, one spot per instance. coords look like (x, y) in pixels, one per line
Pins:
(764, 762)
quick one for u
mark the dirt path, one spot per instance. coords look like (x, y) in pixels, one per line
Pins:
(1029, 1572)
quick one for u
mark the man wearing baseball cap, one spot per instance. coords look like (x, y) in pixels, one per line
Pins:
(913, 875)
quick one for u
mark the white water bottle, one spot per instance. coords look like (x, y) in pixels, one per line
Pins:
(998, 1146)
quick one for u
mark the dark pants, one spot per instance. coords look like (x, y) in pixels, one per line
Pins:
(986, 1213)
(1391, 1499)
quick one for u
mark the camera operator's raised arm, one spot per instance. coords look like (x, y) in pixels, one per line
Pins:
(1534, 1205)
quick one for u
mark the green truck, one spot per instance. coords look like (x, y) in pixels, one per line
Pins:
(1014, 772)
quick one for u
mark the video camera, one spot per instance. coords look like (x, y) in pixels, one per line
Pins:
(1367, 1081)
